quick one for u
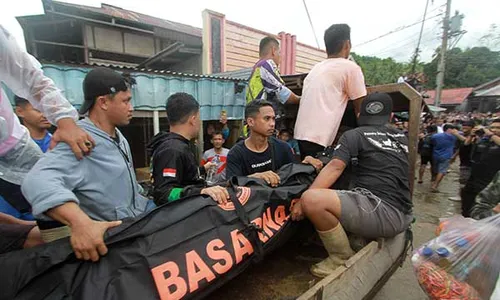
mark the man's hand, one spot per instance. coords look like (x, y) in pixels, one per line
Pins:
(316, 163)
(218, 194)
(496, 209)
(81, 142)
(87, 239)
(297, 212)
(269, 176)
(209, 165)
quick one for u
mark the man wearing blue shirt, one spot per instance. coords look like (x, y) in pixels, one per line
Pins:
(443, 150)
(36, 123)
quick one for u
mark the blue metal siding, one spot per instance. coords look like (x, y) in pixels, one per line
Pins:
(152, 90)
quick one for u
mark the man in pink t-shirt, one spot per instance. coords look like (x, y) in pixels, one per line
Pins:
(327, 89)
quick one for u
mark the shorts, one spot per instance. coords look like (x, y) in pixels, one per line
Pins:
(13, 236)
(366, 215)
(424, 160)
(441, 165)
(464, 174)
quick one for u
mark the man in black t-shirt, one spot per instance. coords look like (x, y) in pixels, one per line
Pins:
(425, 151)
(260, 155)
(485, 164)
(464, 153)
(380, 203)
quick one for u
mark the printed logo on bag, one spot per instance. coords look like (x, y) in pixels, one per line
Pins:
(197, 268)
(243, 195)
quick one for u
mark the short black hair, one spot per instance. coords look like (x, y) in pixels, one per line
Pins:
(497, 120)
(286, 131)
(468, 123)
(448, 126)
(180, 106)
(217, 132)
(265, 43)
(335, 36)
(253, 107)
(432, 128)
(21, 102)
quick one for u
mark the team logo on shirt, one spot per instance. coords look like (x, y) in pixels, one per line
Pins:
(169, 172)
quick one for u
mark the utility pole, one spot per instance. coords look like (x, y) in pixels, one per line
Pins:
(417, 50)
(442, 59)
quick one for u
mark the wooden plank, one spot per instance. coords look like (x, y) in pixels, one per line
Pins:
(241, 50)
(237, 64)
(244, 36)
(302, 54)
(363, 256)
(308, 60)
(236, 56)
(320, 54)
(243, 31)
(243, 44)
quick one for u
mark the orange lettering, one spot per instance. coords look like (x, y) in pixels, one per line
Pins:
(241, 245)
(197, 270)
(268, 220)
(221, 255)
(262, 237)
(280, 215)
(164, 283)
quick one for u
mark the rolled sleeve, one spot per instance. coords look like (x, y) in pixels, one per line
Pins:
(52, 180)
(272, 82)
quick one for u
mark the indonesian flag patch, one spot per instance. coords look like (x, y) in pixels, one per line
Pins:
(169, 172)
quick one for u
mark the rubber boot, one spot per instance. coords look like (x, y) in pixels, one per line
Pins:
(337, 245)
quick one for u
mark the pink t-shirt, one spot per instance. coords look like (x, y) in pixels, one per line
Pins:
(327, 88)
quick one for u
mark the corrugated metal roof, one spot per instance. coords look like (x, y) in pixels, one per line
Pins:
(242, 74)
(118, 12)
(449, 96)
(143, 70)
(153, 89)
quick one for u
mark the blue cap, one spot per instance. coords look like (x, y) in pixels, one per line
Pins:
(442, 252)
(427, 251)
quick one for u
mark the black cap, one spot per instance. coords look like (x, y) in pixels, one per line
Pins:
(376, 109)
(100, 82)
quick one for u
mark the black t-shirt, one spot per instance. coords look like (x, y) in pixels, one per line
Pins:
(241, 161)
(485, 164)
(464, 152)
(383, 167)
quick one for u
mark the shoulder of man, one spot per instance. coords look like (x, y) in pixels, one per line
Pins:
(237, 148)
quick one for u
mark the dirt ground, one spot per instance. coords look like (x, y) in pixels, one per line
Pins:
(284, 274)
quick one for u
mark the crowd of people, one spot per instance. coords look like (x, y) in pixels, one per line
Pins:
(86, 183)
(474, 139)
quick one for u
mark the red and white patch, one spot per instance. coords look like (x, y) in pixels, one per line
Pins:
(169, 172)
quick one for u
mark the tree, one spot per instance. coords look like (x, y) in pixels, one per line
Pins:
(465, 68)
(381, 71)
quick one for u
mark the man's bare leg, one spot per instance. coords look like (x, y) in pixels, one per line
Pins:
(421, 172)
(323, 208)
(436, 183)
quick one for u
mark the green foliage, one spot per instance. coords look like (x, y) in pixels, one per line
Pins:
(465, 68)
(381, 71)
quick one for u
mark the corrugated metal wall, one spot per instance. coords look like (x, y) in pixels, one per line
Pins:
(152, 90)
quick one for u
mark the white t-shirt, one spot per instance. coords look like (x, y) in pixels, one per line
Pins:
(327, 88)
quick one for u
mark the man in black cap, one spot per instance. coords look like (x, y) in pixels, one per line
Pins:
(380, 203)
(89, 196)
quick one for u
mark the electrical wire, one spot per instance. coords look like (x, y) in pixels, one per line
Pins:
(311, 23)
(397, 30)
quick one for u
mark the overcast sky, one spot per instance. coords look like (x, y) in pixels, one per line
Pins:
(368, 19)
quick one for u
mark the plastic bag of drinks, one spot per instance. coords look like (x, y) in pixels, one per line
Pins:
(463, 262)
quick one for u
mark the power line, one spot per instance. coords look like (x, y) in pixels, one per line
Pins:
(310, 23)
(397, 30)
